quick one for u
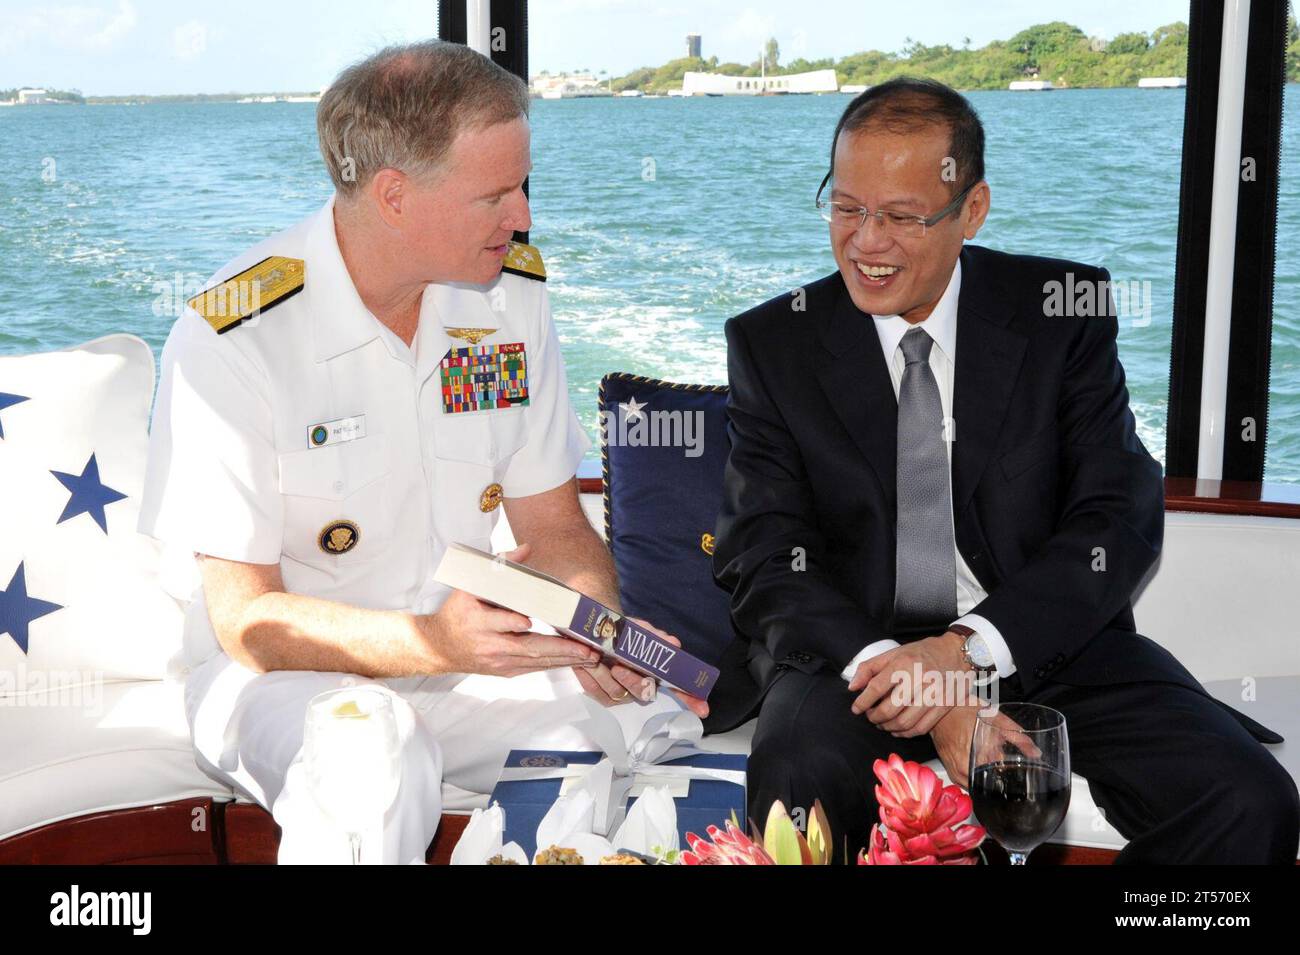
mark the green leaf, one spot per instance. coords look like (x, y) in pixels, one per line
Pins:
(780, 838)
(819, 835)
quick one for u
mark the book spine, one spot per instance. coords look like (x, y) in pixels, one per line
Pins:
(643, 651)
(649, 653)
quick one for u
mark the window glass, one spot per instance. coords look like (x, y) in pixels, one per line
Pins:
(1282, 453)
(663, 217)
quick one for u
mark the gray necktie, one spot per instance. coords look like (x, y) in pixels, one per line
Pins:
(926, 586)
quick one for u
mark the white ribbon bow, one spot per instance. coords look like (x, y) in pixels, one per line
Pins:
(663, 737)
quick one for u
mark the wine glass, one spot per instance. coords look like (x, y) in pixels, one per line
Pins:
(352, 757)
(1020, 774)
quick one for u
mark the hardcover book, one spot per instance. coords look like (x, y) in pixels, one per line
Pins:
(524, 590)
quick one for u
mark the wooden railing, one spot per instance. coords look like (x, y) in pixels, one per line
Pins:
(1232, 497)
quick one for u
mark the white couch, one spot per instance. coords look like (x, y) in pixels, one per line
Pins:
(1222, 599)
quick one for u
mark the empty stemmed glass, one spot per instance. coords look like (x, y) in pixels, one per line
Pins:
(352, 757)
(1020, 775)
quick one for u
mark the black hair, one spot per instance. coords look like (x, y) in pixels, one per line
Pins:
(906, 103)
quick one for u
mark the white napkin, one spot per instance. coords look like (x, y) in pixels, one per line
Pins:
(568, 824)
(651, 824)
(481, 839)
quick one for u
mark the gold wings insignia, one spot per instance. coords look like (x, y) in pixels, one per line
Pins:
(471, 335)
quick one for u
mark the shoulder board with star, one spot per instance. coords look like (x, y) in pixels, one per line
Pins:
(255, 290)
(524, 260)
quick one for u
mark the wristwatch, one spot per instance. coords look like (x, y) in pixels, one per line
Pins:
(975, 651)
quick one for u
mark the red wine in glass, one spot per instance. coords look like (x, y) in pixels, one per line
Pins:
(1020, 775)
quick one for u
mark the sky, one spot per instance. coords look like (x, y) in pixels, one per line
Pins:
(153, 47)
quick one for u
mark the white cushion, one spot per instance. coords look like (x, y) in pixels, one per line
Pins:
(1224, 598)
(104, 613)
(95, 748)
(1272, 701)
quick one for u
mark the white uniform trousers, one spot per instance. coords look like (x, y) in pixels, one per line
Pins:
(248, 733)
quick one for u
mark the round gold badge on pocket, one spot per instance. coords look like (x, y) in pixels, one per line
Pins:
(339, 537)
(490, 499)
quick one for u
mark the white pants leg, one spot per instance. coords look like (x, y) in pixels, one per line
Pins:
(248, 732)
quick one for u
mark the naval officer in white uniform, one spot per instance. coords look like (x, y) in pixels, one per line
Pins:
(347, 398)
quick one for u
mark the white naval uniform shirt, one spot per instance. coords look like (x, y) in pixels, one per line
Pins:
(941, 325)
(232, 474)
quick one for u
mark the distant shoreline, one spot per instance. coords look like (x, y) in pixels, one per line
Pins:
(1058, 53)
(281, 98)
(181, 100)
(246, 98)
(250, 99)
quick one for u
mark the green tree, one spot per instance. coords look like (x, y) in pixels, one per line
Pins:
(1048, 38)
(635, 80)
(772, 51)
(1292, 50)
(1170, 32)
(807, 66)
(1127, 43)
(669, 76)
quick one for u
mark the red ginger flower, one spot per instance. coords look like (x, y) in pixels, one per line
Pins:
(921, 821)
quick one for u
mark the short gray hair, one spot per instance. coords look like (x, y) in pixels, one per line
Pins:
(402, 108)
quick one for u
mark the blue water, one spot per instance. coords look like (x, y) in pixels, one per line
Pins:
(658, 219)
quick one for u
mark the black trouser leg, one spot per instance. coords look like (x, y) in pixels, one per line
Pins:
(808, 745)
(1177, 775)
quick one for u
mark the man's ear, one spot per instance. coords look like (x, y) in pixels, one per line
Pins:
(977, 210)
(388, 191)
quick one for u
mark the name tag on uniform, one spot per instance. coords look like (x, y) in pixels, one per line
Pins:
(337, 431)
(484, 377)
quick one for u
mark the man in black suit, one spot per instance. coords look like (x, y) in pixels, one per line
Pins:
(931, 468)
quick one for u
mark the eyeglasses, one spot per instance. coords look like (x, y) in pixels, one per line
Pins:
(844, 215)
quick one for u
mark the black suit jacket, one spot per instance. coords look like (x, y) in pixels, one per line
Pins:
(1049, 479)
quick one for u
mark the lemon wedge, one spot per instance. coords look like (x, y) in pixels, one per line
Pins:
(349, 709)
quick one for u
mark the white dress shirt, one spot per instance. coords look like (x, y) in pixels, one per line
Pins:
(941, 325)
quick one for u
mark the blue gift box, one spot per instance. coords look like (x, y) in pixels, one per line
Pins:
(709, 802)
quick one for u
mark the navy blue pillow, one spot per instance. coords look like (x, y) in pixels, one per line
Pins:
(663, 450)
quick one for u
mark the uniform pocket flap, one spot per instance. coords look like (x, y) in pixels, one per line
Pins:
(335, 471)
(481, 437)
